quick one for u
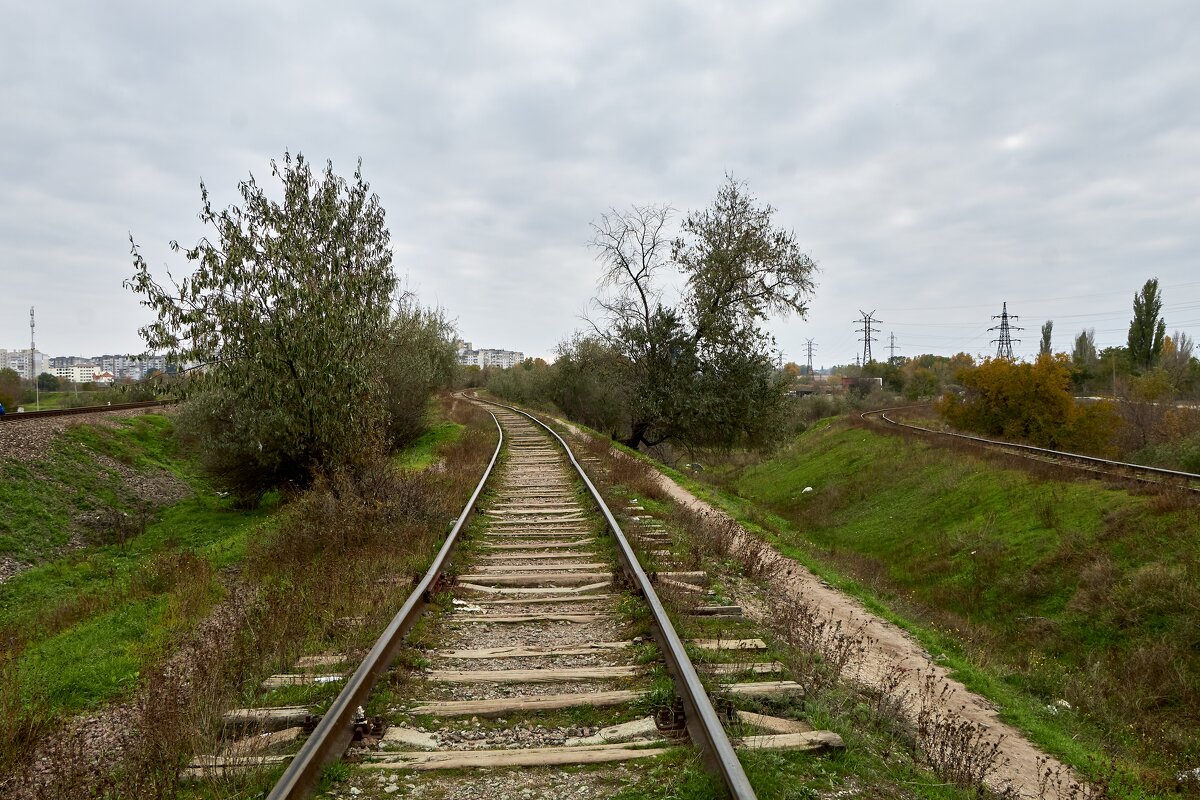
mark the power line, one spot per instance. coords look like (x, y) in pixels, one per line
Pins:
(1111, 293)
(1005, 342)
(867, 321)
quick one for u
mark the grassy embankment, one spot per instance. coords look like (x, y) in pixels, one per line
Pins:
(1035, 588)
(79, 625)
(86, 625)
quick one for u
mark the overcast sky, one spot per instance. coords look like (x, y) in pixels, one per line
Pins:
(935, 158)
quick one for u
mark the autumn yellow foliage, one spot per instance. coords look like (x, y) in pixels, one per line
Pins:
(1030, 402)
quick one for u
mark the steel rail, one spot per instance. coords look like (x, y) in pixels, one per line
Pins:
(1171, 473)
(334, 732)
(703, 724)
(25, 416)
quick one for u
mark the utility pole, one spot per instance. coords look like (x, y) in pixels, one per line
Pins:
(867, 321)
(808, 346)
(891, 348)
(1005, 342)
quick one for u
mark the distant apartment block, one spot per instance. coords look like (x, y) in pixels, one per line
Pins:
(488, 357)
(81, 369)
(133, 368)
(19, 360)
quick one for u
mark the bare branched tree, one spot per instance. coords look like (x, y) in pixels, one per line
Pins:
(633, 248)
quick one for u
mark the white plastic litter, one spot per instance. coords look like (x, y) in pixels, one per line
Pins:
(463, 605)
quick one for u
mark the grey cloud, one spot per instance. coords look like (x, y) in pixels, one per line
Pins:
(931, 156)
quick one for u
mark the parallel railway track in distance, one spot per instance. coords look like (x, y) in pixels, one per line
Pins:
(1115, 469)
(13, 417)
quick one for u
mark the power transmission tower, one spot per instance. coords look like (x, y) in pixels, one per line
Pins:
(857, 360)
(867, 321)
(891, 348)
(808, 346)
(1005, 342)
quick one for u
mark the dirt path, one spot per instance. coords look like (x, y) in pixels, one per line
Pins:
(891, 647)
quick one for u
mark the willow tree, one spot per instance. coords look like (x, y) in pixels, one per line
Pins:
(281, 317)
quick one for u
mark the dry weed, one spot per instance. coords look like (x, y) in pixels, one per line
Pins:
(960, 751)
(821, 648)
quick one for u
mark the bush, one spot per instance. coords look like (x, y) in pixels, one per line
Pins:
(1031, 403)
(1183, 454)
(417, 358)
(244, 447)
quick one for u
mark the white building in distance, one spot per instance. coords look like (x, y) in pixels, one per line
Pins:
(76, 373)
(487, 357)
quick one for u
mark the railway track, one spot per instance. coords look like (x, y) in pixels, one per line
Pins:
(1116, 469)
(29, 416)
(538, 629)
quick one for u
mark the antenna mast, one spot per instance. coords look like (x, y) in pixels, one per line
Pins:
(37, 395)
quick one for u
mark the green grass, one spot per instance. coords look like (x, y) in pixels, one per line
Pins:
(423, 452)
(91, 619)
(1031, 589)
(86, 621)
(42, 500)
(83, 627)
(877, 757)
(204, 524)
(141, 442)
(95, 660)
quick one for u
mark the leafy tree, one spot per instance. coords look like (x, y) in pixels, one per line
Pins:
(10, 388)
(891, 373)
(416, 356)
(583, 387)
(1113, 366)
(1084, 362)
(921, 382)
(528, 383)
(1145, 406)
(1148, 329)
(1177, 359)
(701, 371)
(285, 312)
(1029, 402)
(739, 267)
(1083, 354)
(48, 383)
(1045, 348)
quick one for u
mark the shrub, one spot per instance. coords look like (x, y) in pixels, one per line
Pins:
(1029, 402)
